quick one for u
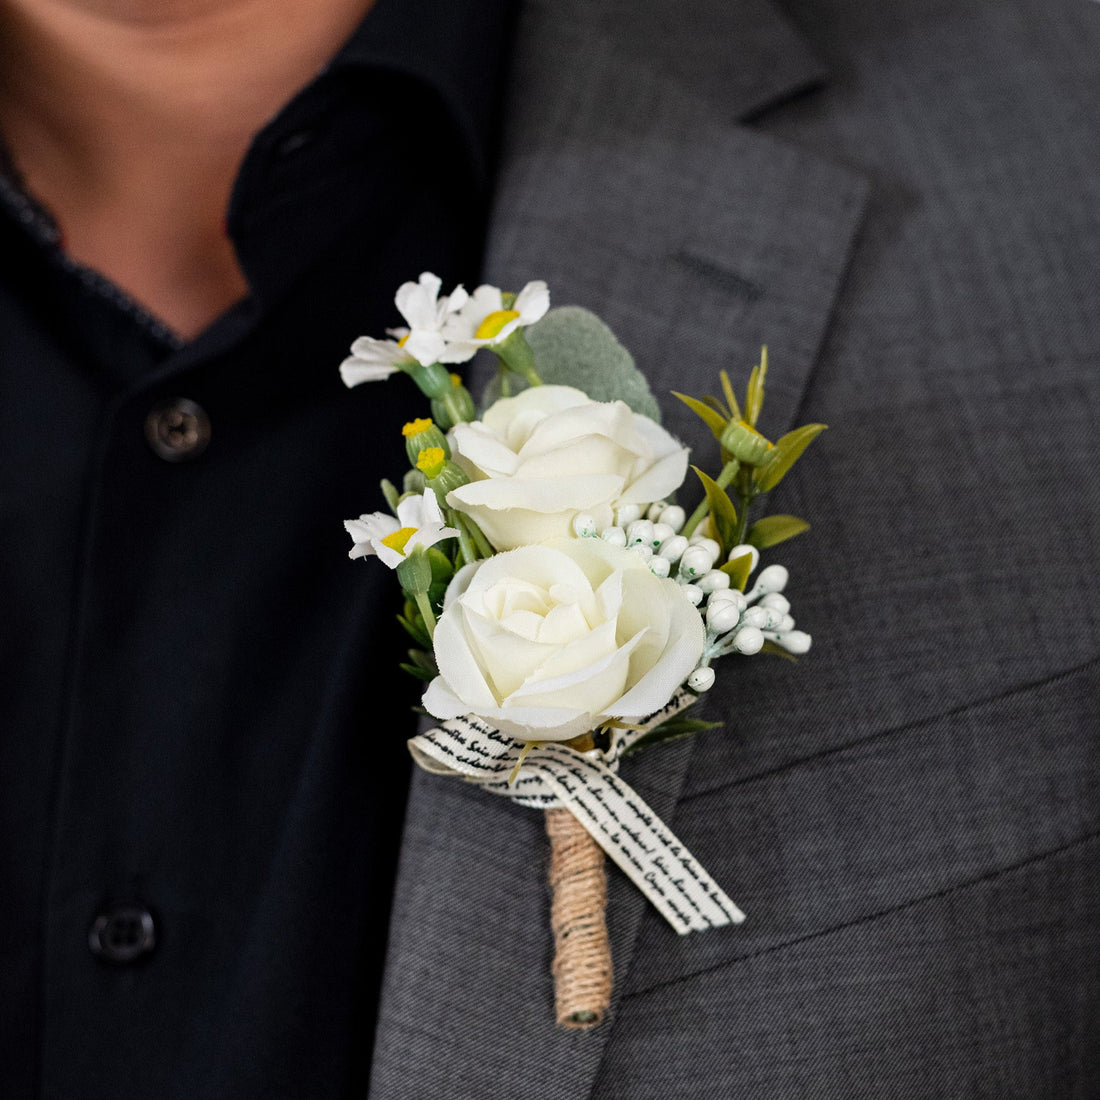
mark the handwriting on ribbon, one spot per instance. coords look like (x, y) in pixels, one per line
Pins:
(552, 774)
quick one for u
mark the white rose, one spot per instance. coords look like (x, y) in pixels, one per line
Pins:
(537, 460)
(548, 642)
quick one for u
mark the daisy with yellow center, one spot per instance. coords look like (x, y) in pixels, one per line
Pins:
(420, 344)
(419, 524)
(487, 320)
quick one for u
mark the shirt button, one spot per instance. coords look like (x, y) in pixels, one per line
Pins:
(122, 933)
(294, 142)
(177, 429)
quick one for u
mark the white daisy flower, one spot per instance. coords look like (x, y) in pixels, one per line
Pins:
(483, 321)
(419, 303)
(419, 524)
(421, 343)
(374, 360)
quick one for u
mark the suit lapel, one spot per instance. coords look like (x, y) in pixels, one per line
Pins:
(697, 242)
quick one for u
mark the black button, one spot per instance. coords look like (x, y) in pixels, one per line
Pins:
(294, 142)
(178, 429)
(122, 933)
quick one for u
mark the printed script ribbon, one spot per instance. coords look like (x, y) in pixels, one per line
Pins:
(552, 774)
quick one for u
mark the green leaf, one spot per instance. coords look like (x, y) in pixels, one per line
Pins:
(420, 673)
(676, 727)
(389, 491)
(772, 530)
(722, 511)
(442, 569)
(423, 659)
(785, 454)
(754, 397)
(414, 627)
(738, 571)
(711, 417)
(731, 399)
(717, 406)
(778, 651)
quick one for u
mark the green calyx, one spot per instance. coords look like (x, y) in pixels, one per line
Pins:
(745, 443)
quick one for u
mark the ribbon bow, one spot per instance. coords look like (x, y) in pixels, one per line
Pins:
(552, 774)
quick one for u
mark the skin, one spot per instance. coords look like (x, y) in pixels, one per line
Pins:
(129, 119)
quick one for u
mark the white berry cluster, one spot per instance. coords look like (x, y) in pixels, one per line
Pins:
(736, 622)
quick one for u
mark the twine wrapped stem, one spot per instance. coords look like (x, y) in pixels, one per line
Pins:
(582, 950)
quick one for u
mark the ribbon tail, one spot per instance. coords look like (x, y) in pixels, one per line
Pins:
(636, 839)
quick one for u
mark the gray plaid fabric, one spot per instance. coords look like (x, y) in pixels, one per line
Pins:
(902, 200)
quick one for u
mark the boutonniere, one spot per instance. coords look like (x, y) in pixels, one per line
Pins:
(565, 611)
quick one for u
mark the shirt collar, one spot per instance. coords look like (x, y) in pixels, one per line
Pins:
(456, 49)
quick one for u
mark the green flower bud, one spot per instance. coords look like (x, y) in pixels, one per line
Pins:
(455, 406)
(421, 434)
(443, 476)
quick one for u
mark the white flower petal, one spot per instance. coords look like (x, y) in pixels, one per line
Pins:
(480, 452)
(562, 636)
(532, 302)
(416, 302)
(659, 481)
(354, 372)
(457, 666)
(425, 346)
(387, 554)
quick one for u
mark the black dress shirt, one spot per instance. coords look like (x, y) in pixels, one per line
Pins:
(202, 730)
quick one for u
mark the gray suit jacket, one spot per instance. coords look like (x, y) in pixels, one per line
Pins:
(902, 200)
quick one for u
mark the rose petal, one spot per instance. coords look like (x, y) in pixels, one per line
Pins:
(481, 453)
(660, 481)
(456, 663)
(613, 421)
(656, 686)
(506, 659)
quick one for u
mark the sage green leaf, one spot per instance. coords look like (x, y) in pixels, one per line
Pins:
(722, 510)
(785, 454)
(573, 347)
(711, 417)
(731, 399)
(754, 397)
(772, 530)
(738, 571)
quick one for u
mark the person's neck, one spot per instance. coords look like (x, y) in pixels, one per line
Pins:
(129, 119)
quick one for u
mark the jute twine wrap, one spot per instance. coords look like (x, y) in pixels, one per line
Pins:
(582, 951)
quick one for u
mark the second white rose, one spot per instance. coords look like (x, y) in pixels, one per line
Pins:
(539, 459)
(548, 642)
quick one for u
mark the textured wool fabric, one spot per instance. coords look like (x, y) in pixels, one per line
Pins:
(903, 202)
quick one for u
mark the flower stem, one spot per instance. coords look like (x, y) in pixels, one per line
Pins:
(425, 606)
(465, 543)
(746, 493)
(485, 550)
(578, 920)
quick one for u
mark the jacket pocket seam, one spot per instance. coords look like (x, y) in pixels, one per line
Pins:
(894, 731)
(878, 914)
